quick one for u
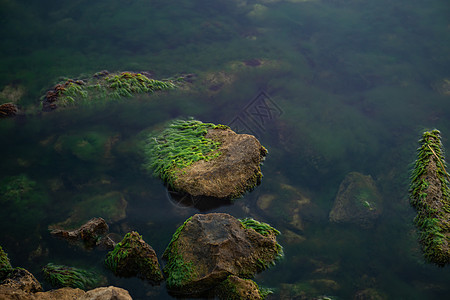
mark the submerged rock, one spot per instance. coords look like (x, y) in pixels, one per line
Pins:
(90, 233)
(134, 257)
(235, 288)
(358, 201)
(8, 110)
(64, 276)
(206, 160)
(208, 248)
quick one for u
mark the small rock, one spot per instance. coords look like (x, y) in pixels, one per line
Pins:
(235, 288)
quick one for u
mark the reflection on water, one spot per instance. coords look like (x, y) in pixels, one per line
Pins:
(353, 83)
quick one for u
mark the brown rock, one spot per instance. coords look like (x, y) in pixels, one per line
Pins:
(210, 247)
(21, 279)
(235, 288)
(66, 293)
(8, 110)
(229, 175)
(107, 293)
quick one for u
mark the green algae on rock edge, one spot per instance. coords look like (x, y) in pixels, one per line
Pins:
(430, 196)
(64, 276)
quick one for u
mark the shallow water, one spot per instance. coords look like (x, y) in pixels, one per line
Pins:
(347, 86)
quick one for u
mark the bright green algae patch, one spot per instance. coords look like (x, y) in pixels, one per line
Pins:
(101, 87)
(178, 146)
(64, 276)
(5, 265)
(429, 194)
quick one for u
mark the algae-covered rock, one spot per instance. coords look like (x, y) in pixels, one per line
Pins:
(23, 280)
(358, 201)
(110, 206)
(5, 265)
(235, 288)
(208, 248)
(134, 257)
(205, 160)
(23, 202)
(100, 87)
(430, 196)
(65, 276)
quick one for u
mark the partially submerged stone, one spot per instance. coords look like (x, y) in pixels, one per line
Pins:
(430, 196)
(358, 201)
(208, 248)
(235, 288)
(205, 160)
(102, 86)
(134, 257)
(89, 233)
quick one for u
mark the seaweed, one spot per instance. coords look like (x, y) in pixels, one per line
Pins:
(64, 276)
(429, 195)
(5, 265)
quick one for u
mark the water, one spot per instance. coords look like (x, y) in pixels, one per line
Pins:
(352, 85)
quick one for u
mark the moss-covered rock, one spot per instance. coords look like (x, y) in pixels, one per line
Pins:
(208, 248)
(134, 257)
(430, 196)
(235, 288)
(100, 87)
(358, 201)
(205, 160)
(5, 265)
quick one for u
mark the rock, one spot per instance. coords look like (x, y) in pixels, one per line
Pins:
(110, 206)
(107, 293)
(208, 248)
(134, 257)
(358, 201)
(64, 276)
(235, 288)
(205, 160)
(8, 110)
(90, 233)
(66, 293)
(21, 279)
(369, 294)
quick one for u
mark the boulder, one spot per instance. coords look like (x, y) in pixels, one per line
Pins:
(208, 248)
(8, 110)
(21, 279)
(134, 257)
(358, 201)
(205, 160)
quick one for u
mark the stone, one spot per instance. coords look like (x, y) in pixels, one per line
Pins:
(8, 110)
(90, 233)
(107, 293)
(235, 288)
(21, 279)
(230, 174)
(208, 248)
(134, 257)
(358, 201)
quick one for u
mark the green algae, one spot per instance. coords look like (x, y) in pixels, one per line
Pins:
(430, 196)
(119, 253)
(5, 265)
(64, 276)
(181, 144)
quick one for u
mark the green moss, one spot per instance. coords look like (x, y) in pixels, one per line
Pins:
(5, 265)
(181, 144)
(177, 269)
(119, 253)
(433, 206)
(63, 276)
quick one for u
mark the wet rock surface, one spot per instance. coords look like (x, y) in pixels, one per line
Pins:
(134, 257)
(230, 174)
(235, 288)
(208, 248)
(358, 201)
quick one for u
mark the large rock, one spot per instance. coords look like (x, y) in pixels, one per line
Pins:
(208, 248)
(358, 201)
(21, 279)
(205, 160)
(102, 293)
(134, 257)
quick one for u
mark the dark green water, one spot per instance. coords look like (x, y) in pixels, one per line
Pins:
(352, 86)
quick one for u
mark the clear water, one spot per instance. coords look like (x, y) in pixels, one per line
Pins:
(351, 84)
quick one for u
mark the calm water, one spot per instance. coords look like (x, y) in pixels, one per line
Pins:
(349, 84)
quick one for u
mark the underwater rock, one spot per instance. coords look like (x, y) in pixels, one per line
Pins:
(369, 294)
(8, 110)
(101, 87)
(235, 288)
(110, 206)
(208, 248)
(430, 196)
(205, 160)
(134, 257)
(90, 233)
(358, 201)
